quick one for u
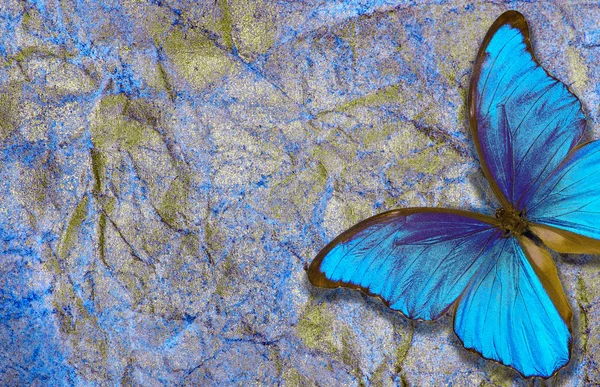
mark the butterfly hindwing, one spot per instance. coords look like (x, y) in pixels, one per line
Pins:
(524, 121)
(567, 205)
(507, 315)
(417, 260)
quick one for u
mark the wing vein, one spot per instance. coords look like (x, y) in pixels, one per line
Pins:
(494, 64)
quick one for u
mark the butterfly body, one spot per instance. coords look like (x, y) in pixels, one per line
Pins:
(496, 271)
(511, 222)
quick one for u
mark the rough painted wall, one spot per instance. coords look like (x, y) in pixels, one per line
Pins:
(168, 169)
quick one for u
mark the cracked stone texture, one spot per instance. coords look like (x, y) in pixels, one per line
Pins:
(168, 169)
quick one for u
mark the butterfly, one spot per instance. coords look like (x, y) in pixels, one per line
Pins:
(495, 271)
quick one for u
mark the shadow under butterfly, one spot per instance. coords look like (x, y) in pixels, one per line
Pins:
(496, 271)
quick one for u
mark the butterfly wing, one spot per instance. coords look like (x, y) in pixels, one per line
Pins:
(510, 308)
(417, 260)
(507, 315)
(566, 208)
(524, 121)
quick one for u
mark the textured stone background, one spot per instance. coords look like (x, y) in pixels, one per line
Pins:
(168, 169)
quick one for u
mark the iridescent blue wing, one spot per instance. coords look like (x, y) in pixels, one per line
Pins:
(524, 121)
(566, 207)
(506, 313)
(417, 260)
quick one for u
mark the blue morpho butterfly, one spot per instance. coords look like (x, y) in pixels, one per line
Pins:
(509, 304)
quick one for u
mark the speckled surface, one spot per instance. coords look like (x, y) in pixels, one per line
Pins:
(168, 169)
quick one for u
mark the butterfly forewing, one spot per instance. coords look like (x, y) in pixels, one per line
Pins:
(417, 260)
(524, 121)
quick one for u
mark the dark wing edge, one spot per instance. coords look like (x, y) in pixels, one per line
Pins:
(543, 265)
(565, 242)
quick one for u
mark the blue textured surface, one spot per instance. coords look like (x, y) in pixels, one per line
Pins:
(168, 169)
